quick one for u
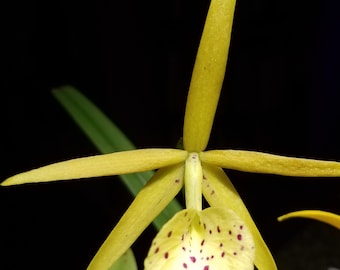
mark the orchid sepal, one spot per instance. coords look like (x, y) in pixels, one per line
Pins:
(258, 162)
(219, 191)
(101, 165)
(208, 74)
(149, 202)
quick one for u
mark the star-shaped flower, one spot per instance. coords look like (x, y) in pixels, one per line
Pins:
(198, 170)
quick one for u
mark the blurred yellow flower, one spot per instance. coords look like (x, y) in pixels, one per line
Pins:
(323, 216)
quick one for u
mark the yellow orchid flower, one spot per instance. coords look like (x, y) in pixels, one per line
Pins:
(323, 216)
(198, 170)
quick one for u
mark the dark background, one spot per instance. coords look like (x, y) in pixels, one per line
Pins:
(134, 60)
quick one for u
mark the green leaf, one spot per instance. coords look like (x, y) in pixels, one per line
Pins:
(108, 138)
(125, 262)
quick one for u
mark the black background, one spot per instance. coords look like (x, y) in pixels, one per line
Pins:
(134, 60)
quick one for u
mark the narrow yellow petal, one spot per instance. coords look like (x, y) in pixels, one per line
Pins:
(219, 192)
(258, 162)
(101, 165)
(327, 217)
(208, 74)
(202, 240)
(149, 202)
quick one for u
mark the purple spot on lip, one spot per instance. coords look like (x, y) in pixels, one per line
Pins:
(218, 229)
(239, 237)
(193, 259)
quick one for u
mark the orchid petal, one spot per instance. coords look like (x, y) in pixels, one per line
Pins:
(208, 74)
(149, 202)
(202, 240)
(219, 191)
(101, 165)
(327, 217)
(257, 162)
